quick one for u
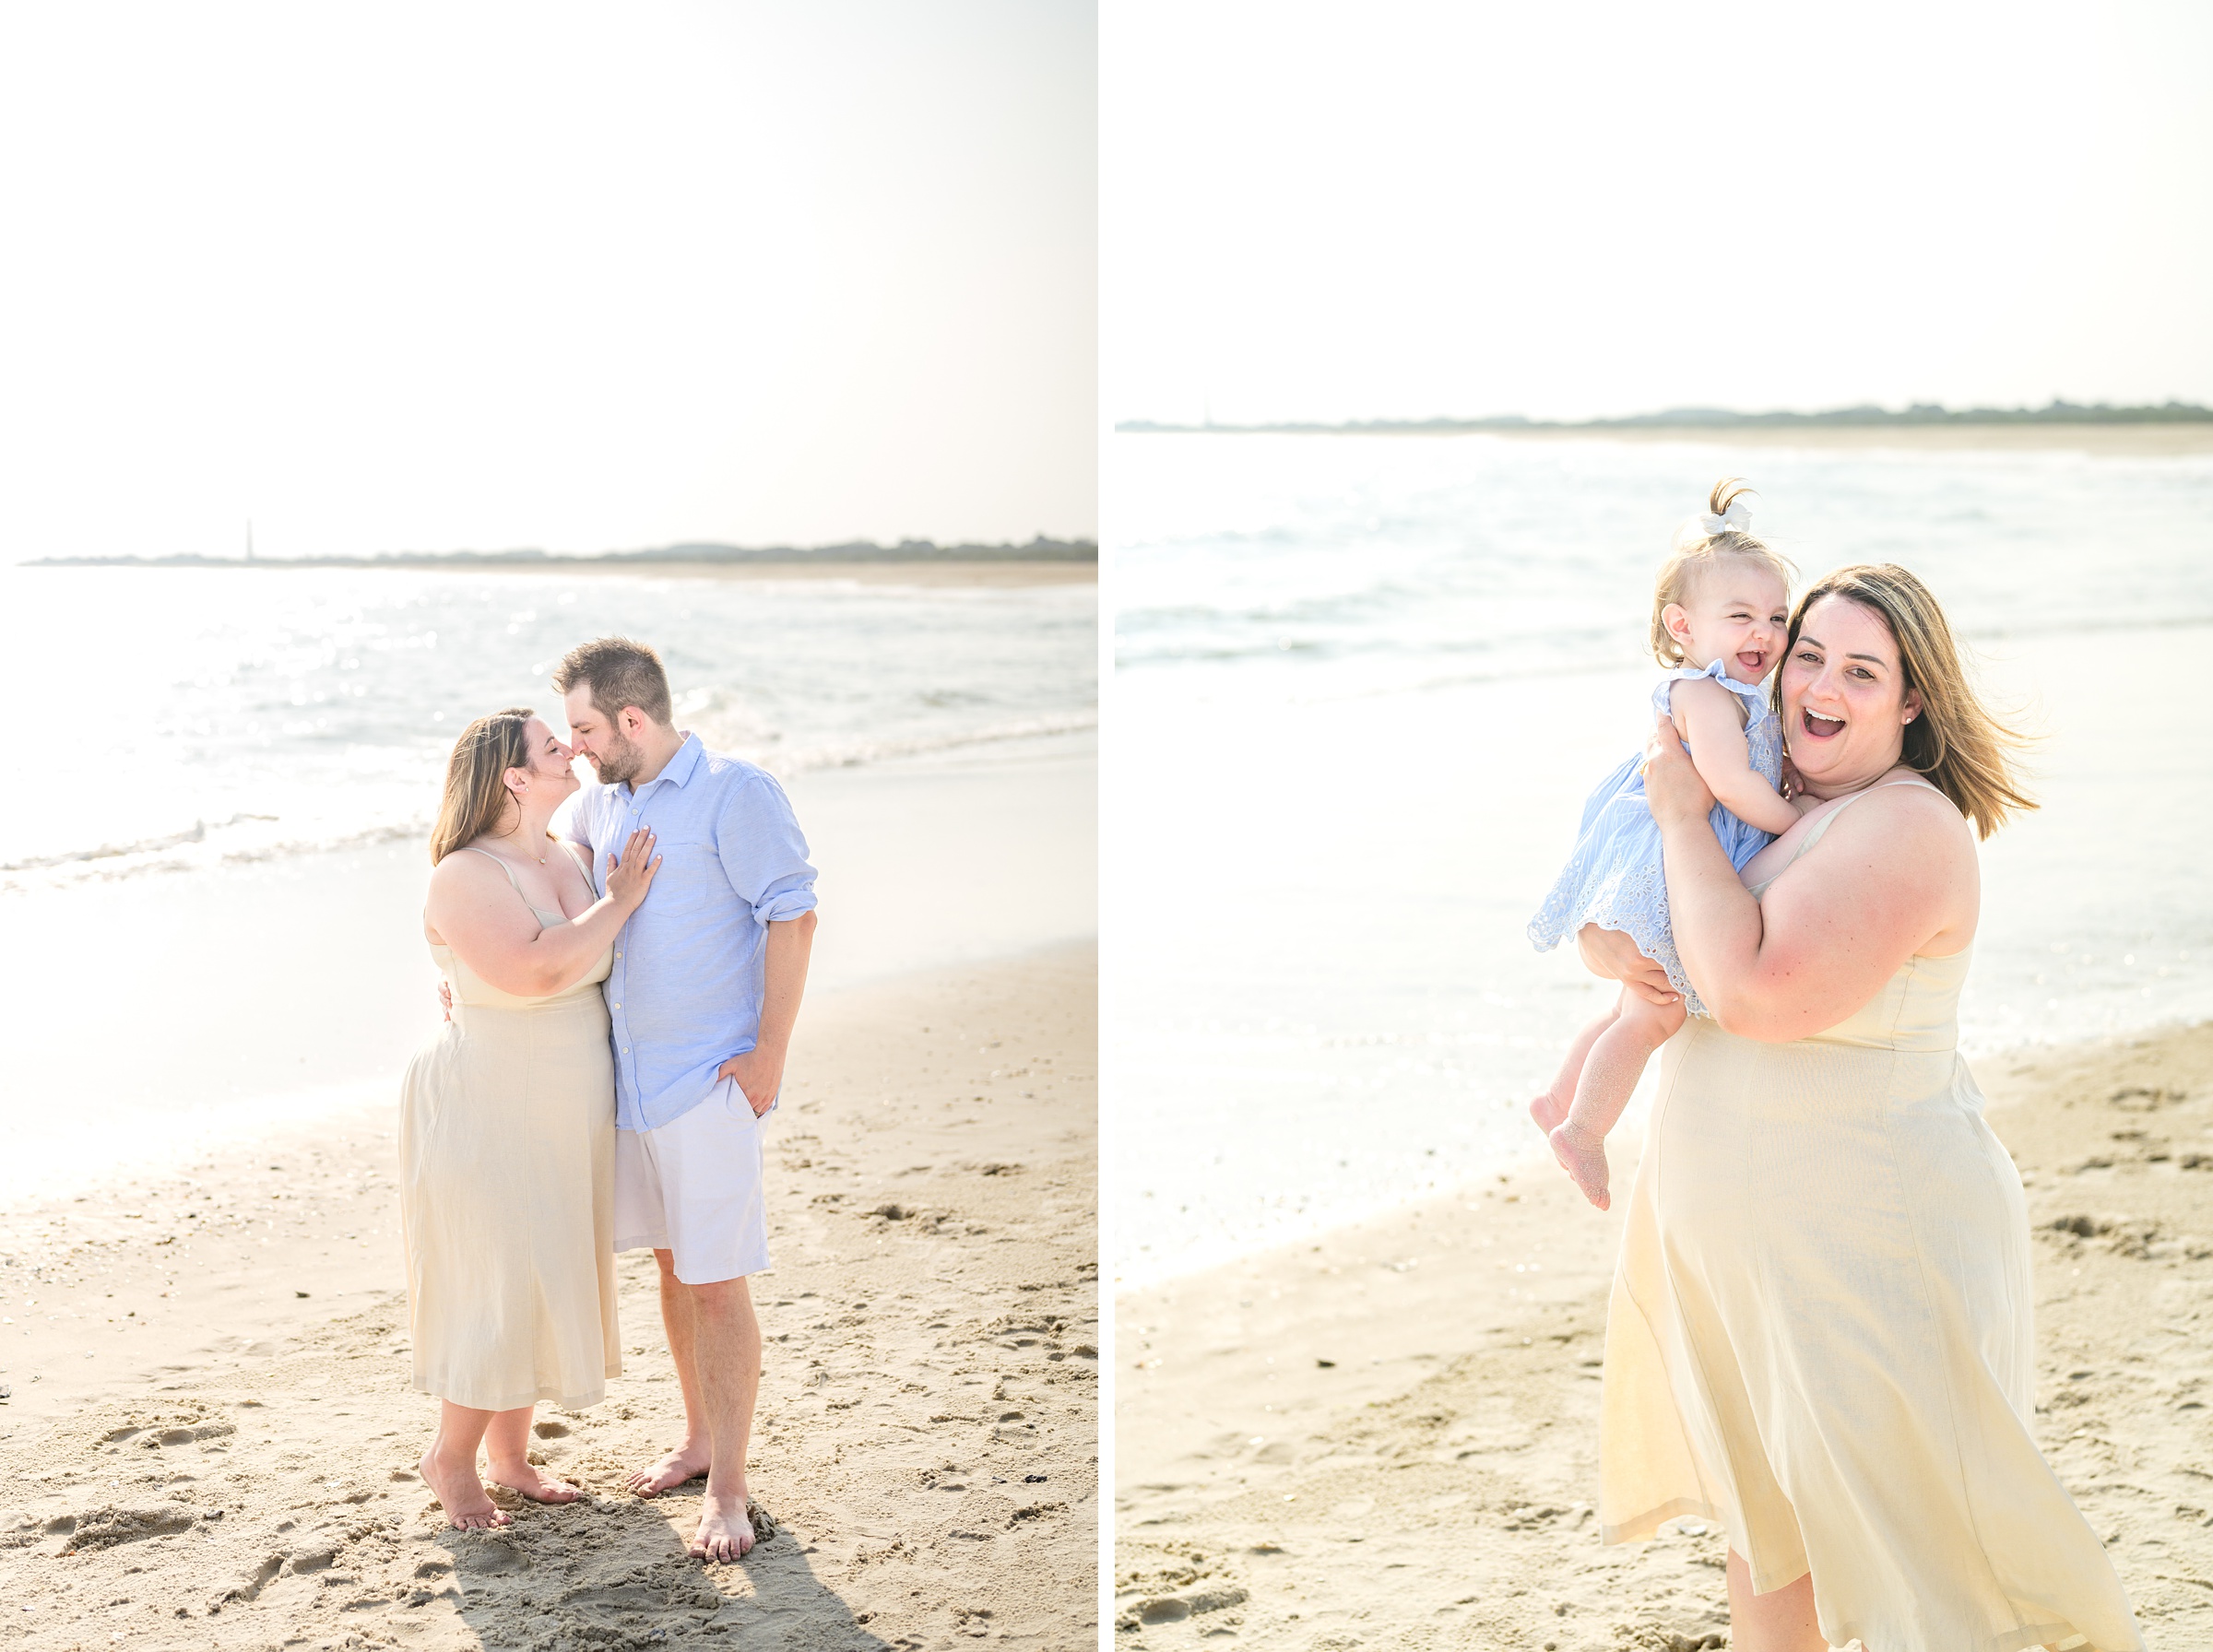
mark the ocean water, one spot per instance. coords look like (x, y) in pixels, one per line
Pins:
(211, 885)
(237, 713)
(1362, 686)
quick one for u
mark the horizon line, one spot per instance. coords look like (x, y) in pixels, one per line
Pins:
(1041, 549)
(2057, 411)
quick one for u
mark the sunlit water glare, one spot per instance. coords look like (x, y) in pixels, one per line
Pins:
(241, 712)
(1363, 684)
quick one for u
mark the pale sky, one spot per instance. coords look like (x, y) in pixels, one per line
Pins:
(431, 276)
(1378, 209)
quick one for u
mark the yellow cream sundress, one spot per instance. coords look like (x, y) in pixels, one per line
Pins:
(1820, 1336)
(506, 1194)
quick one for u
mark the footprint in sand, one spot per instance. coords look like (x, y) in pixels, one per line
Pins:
(104, 1527)
(250, 1582)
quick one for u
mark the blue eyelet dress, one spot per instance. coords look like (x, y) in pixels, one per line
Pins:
(1615, 879)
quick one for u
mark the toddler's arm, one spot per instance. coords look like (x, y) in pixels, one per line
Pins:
(1713, 726)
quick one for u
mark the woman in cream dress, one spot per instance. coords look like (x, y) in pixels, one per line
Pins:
(507, 1119)
(1820, 1334)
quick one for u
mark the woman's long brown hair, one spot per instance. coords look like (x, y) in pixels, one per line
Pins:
(476, 794)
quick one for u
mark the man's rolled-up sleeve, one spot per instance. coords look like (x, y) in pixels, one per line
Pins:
(764, 853)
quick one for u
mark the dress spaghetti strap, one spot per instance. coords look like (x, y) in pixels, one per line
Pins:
(1822, 825)
(515, 883)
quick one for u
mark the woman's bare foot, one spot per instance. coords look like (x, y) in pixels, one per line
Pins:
(460, 1493)
(1549, 1112)
(1584, 1160)
(688, 1461)
(526, 1480)
(726, 1529)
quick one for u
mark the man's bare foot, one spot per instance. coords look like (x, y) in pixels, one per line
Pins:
(1583, 1158)
(726, 1529)
(686, 1462)
(526, 1480)
(1549, 1112)
(460, 1493)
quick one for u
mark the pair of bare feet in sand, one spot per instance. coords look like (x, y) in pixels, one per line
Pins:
(726, 1525)
(468, 1503)
(1583, 1156)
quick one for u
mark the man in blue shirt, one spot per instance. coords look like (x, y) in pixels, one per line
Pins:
(703, 994)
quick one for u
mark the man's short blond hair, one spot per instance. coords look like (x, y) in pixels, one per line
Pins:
(619, 672)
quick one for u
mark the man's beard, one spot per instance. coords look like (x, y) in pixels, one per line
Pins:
(620, 761)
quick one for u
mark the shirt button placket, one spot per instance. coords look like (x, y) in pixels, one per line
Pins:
(631, 1065)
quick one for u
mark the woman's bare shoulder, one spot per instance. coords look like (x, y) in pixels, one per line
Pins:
(1914, 799)
(1906, 823)
(464, 872)
(458, 867)
(1900, 862)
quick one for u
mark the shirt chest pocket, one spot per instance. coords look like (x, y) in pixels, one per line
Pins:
(691, 878)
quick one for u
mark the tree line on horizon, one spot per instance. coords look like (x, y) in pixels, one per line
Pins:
(2058, 411)
(1039, 550)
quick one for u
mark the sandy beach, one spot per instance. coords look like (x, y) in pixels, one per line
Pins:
(1387, 1436)
(207, 1438)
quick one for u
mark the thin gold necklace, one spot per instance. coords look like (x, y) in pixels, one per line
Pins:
(539, 858)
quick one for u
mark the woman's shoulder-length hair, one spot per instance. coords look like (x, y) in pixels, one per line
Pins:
(1965, 752)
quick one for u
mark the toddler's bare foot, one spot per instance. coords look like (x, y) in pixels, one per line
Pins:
(726, 1527)
(687, 1462)
(1584, 1160)
(526, 1480)
(460, 1493)
(1549, 1112)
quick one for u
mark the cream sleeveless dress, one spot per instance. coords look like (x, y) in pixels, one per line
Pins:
(506, 1194)
(1821, 1336)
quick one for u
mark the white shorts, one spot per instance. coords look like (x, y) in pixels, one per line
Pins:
(694, 1188)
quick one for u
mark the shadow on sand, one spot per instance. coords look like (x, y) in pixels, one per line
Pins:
(612, 1571)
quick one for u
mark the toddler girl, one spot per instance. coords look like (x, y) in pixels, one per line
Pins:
(1720, 614)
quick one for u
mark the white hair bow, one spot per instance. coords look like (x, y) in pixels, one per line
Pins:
(1736, 519)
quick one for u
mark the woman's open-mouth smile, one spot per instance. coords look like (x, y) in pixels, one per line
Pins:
(1818, 726)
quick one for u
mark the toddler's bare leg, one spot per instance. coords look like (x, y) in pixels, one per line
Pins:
(1610, 1074)
(1551, 1105)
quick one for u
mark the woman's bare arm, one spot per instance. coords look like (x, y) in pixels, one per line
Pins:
(477, 911)
(1833, 928)
(1707, 716)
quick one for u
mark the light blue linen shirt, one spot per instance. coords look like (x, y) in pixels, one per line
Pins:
(691, 965)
